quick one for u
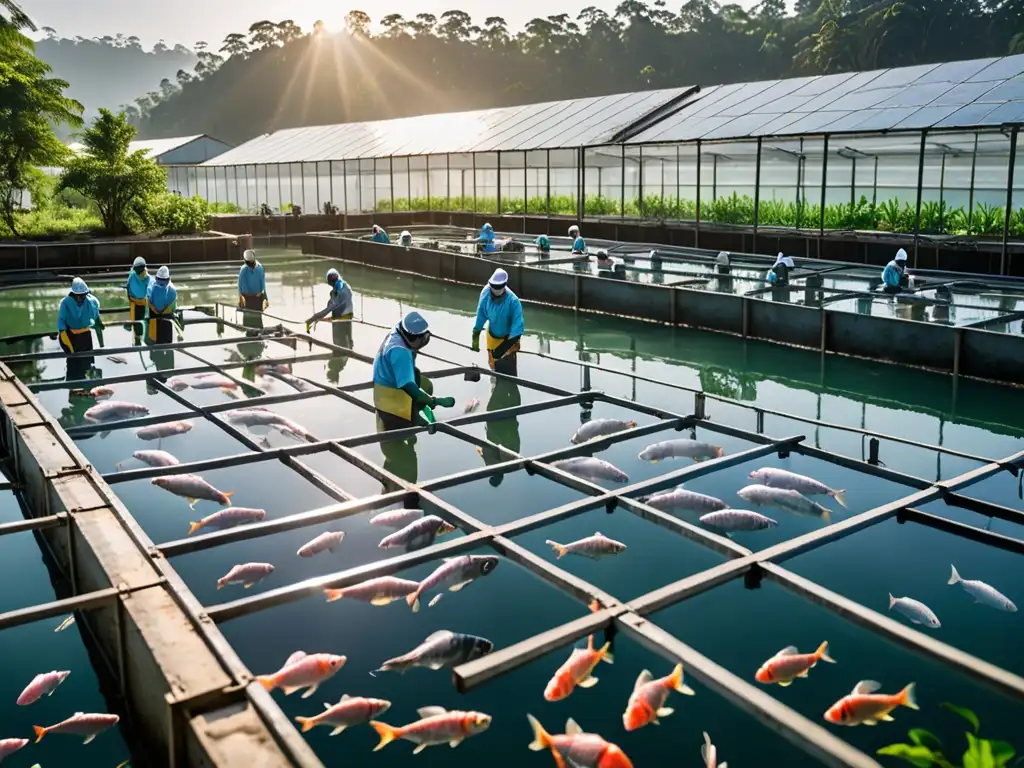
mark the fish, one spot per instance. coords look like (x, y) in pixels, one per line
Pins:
(457, 571)
(114, 409)
(916, 611)
(177, 384)
(590, 468)
(101, 393)
(193, 488)
(351, 710)
(66, 623)
(228, 518)
(398, 518)
(862, 706)
(576, 749)
(441, 649)
(792, 501)
(730, 520)
(436, 726)
(682, 499)
(595, 547)
(295, 382)
(576, 671)
(647, 702)
(9, 746)
(325, 542)
(307, 671)
(117, 359)
(471, 405)
(264, 369)
(260, 417)
(379, 591)
(680, 449)
(293, 429)
(201, 381)
(88, 724)
(245, 574)
(788, 664)
(596, 428)
(153, 459)
(417, 533)
(790, 481)
(160, 431)
(709, 754)
(42, 685)
(983, 593)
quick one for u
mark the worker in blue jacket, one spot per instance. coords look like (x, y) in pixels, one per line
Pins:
(379, 235)
(579, 245)
(502, 311)
(137, 288)
(252, 283)
(77, 316)
(162, 302)
(894, 276)
(485, 239)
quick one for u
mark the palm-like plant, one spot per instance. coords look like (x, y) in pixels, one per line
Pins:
(13, 16)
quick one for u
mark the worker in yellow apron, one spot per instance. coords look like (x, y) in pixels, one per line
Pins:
(500, 309)
(137, 288)
(161, 301)
(252, 284)
(78, 315)
(400, 391)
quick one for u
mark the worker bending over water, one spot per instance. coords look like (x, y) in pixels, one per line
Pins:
(486, 239)
(138, 288)
(79, 313)
(778, 275)
(379, 235)
(162, 301)
(400, 391)
(502, 311)
(578, 244)
(339, 303)
(894, 276)
(252, 283)
(405, 239)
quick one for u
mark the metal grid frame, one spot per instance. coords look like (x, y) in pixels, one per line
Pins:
(629, 618)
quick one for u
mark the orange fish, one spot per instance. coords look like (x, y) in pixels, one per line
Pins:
(787, 665)
(576, 749)
(865, 707)
(577, 670)
(306, 671)
(647, 702)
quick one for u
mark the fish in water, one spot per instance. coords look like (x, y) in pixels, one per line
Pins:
(577, 670)
(325, 542)
(66, 623)
(306, 671)
(114, 409)
(193, 488)
(260, 417)
(576, 749)
(160, 431)
(682, 499)
(42, 685)
(417, 533)
(471, 405)
(916, 611)
(177, 384)
(788, 664)
(709, 754)
(153, 459)
(228, 518)
(595, 547)
(380, 591)
(351, 710)
(680, 449)
(983, 593)
(101, 393)
(265, 369)
(86, 724)
(398, 518)
(865, 707)
(246, 574)
(436, 726)
(442, 649)
(647, 702)
(116, 359)
(300, 385)
(9, 746)
(457, 571)
(590, 468)
(792, 501)
(790, 481)
(730, 520)
(596, 428)
(212, 381)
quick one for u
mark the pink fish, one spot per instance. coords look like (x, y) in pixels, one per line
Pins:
(351, 710)
(397, 518)
(88, 724)
(380, 591)
(42, 685)
(306, 672)
(9, 746)
(227, 518)
(246, 574)
(325, 542)
(437, 726)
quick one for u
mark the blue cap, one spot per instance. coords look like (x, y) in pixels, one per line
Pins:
(415, 324)
(79, 287)
(488, 227)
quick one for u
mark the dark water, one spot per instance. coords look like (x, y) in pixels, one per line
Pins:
(736, 626)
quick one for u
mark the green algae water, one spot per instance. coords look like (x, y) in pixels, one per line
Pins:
(737, 626)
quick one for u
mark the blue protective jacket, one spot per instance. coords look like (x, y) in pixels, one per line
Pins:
(892, 275)
(395, 363)
(138, 285)
(487, 238)
(161, 296)
(252, 280)
(381, 237)
(504, 316)
(73, 317)
(579, 245)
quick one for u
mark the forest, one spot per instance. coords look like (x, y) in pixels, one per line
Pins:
(275, 75)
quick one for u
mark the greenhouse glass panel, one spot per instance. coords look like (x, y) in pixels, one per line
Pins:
(990, 180)
(564, 180)
(294, 189)
(352, 176)
(437, 183)
(659, 174)
(324, 185)
(728, 171)
(220, 185)
(513, 182)
(383, 168)
(310, 188)
(602, 186)
(631, 181)
(417, 184)
(787, 198)
(462, 184)
(537, 182)
(231, 182)
(486, 182)
(273, 186)
(1016, 210)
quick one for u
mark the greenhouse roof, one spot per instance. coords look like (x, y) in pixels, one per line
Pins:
(155, 147)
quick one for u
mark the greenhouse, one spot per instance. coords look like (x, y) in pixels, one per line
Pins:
(929, 150)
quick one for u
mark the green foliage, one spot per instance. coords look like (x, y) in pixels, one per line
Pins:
(176, 215)
(925, 750)
(224, 208)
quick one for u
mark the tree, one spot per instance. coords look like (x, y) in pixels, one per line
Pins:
(424, 24)
(121, 184)
(358, 23)
(183, 77)
(262, 34)
(160, 47)
(495, 34)
(167, 89)
(455, 25)
(235, 44)
(394, 25)
(11, 15)
(49, 32)
(287, 31)
(200, 45)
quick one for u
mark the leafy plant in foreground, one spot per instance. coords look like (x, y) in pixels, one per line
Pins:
(925, 750)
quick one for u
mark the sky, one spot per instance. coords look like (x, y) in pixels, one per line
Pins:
(186, 21)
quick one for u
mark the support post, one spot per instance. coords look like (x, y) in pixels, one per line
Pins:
(640, 188)
(920, 186)
(696, 234)
(942, 194)
(499, 185)
(474, 184)
(580, 195)
(547, 179)
(622, 185)
(391, 176)
(316, 169)
(824, 188)
(1009, 197)
(970, 194)
(757, 194)
(428, 186)
(448, 176)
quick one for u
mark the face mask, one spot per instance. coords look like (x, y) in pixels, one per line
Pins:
(497, 293)
(421, 341)
(139, 270)
(79, 298)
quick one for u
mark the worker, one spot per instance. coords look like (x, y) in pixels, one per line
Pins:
(578, 244)
(723, 263)
(339, 303)
(894, 276)
(502, 311)
(400, 391)
(252, 283)
(485, 240)
(778, 275)
(405, 239)
(544, 246)
(379, 235)
(137, 287)
(78, 314)
(162, 301)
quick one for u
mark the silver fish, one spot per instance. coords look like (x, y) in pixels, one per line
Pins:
(457, 571)
(790, 481)
(983, 593)
(709, 754)
(43, 684)
(66, 623)
(160, 431)
(379, 591)
(193, 488)
(80, 724)
(793, 501)
(325, 542)
(245, 574)
(737, 520)
(265, 369)
(417, 533)
(351, 710)
(916, 611)
(228, 518)
(114, 409)
(154, 458)
(397, 518)
(595, 547)
(682, 499)
(437, 726)
(293, 429)
(600, 428)
(212, 381)
(442, 649)
(680, 449)
(590, 468)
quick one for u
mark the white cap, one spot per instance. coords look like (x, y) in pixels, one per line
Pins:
(249, 255)
(901, 255)
(79, 287)
(163, 273)
(406, 233)
(575, 229)
(779, 258)
(500, 277)
(376, 228)
(723, 257)
(139, 262)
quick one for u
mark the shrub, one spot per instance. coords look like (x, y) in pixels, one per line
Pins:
(175, 214)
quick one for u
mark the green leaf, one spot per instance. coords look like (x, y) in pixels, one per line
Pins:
(924, 738)
(965, 713)
(1002, 752)
(913, 754)
(979, 753)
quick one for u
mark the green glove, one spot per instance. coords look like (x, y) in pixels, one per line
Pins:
(444, 402)
(428, 414)
(476, 341)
